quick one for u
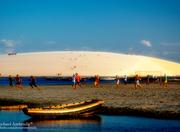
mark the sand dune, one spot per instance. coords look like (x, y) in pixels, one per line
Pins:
(66, 63)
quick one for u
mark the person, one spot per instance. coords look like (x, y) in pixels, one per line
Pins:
(18, 81)
(78, 80)
(117, 81)
(148, 80)
(137, 81)
(33, 82)
(165, 80)
(74, 81)
(160, 80)
(96, 81)
(10, 81)
(125, 79)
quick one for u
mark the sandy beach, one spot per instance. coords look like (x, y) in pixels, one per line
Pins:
(152, 100)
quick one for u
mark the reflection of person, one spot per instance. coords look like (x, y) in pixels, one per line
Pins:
(33, 82)
(137, 81)
(10, 81)
(18, 81)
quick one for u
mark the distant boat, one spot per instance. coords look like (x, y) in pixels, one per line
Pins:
(81, 109)
(107, 78)
(12, 53)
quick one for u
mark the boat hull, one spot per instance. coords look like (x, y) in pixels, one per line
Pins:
(53, 113)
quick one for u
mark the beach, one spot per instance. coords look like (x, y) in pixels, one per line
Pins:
(151, 100)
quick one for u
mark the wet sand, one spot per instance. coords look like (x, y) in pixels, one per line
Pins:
(152, 100)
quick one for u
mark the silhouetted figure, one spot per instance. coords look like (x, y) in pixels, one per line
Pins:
(10, 81)
(32, 82)
(18, 81)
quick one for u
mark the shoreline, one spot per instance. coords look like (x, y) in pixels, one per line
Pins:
(121, 111)
(150, 101)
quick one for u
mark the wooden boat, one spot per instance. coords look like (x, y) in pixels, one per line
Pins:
(82, 109)
(13, 107)
(13, 53)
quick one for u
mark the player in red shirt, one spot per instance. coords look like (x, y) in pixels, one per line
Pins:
(78, 80)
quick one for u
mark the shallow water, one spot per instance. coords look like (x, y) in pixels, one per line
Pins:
(17, 121)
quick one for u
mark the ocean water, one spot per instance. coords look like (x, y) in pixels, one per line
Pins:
(50, 81)
(17, 121)
(67, 80)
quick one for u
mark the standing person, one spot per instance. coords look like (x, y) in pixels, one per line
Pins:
(74, 81)
(33, 82)
(137, 81)
(160, 80)
(10, 81)
(148, 79)
(117, 81)
(18, 81)
(125, 79)
(165, 80)
(96, 81)
(78, 80)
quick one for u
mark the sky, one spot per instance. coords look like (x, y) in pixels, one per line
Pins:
(143, 27)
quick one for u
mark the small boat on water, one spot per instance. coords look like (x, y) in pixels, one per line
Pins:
(81, 109)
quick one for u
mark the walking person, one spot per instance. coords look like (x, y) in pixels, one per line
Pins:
(148, 80)
(32, 82)
(165, 81)
(18, 81)
(117, 81)
(96, 81)
(161, 80)
(125, 80)
(74, 81)
(137, 81)
(10, 81)
(78, 80)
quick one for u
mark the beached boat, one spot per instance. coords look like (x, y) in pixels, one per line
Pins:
(81, 109)
(13, 107)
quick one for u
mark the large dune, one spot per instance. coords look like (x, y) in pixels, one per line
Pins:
(66, 63)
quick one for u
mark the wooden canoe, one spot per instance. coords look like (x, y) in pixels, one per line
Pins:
(80, 109)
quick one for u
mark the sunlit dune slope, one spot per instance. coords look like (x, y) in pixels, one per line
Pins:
(86, 63)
